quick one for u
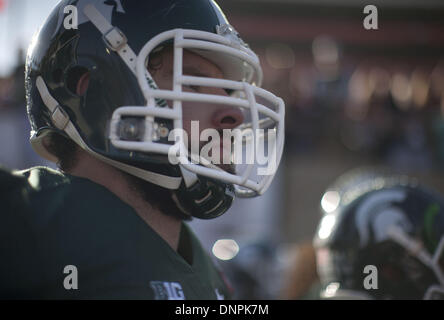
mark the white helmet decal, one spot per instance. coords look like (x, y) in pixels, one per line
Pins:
(371, 214)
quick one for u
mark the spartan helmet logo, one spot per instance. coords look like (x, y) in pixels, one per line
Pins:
(377, 213)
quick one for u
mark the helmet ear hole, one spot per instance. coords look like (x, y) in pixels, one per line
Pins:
(77, 80)
(57, 75)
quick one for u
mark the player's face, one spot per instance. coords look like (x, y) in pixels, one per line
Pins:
(209, 115)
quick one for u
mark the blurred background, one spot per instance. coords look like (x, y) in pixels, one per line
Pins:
(354, 97)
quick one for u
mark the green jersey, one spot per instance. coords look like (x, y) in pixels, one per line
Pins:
(64, 237)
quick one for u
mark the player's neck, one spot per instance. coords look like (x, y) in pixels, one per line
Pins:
(115, 181)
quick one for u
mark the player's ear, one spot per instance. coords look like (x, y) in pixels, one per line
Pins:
(157, 57)
(77, 80)
(155, 62)
(82, 84)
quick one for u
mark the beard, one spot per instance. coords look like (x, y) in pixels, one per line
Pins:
(158, 197)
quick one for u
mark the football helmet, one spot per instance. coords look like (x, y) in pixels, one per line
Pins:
(386, 221)
(124, 119)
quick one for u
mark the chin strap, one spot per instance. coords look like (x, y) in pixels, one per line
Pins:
(205, 199)
(113, 37)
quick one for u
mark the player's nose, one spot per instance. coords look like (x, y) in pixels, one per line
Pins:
(228, 118)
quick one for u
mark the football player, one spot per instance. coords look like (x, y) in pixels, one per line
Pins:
(108, 83)
(381, 237)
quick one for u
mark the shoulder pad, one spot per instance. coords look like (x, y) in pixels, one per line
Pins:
(13, 189)
(9, 181)
(40, 178)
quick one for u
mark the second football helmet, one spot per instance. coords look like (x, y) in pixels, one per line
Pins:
(385, 221)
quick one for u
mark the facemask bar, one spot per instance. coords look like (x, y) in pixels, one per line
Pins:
(433, 292)
(416, 249)
(192, 39)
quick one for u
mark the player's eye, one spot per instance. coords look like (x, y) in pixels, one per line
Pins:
(194, 88)
(229, 91)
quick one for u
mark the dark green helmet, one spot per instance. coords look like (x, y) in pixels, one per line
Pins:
(386, 223)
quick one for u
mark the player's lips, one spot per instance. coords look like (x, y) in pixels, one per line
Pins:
(224, 146)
